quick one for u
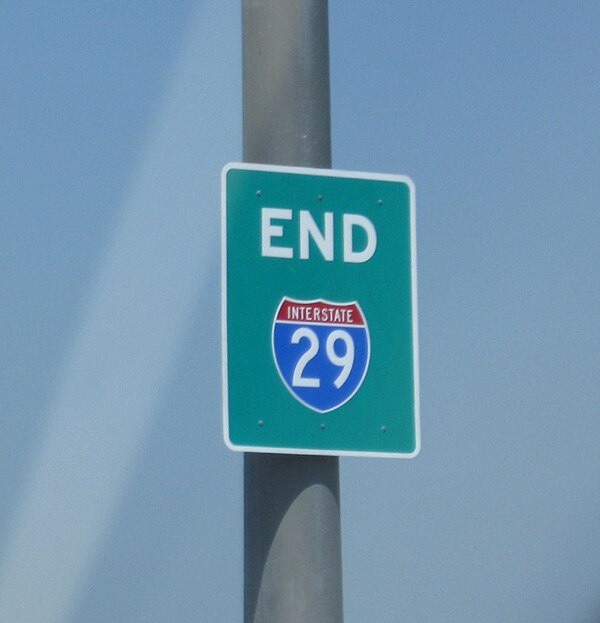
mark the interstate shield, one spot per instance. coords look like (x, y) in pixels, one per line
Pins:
(321, 350)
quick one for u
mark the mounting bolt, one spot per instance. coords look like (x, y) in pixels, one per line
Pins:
(258, 193)
(261, 423)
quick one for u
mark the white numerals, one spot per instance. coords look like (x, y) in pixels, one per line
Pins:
(298, 380)
(344, 361)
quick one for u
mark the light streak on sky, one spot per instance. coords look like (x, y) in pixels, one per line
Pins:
(159, 261)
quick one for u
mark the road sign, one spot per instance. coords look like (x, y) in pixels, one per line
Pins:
(319, 315)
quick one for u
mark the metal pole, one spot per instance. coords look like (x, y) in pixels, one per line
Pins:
(292, 551)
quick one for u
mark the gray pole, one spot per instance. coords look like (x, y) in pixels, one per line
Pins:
(292, 551)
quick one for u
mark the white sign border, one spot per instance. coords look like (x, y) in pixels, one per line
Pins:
(415, 333)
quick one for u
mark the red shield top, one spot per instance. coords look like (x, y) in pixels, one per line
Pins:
(320, 311)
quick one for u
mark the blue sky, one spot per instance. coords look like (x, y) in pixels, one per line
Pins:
(118, 498)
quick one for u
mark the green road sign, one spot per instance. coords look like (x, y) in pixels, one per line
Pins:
(319, 312)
